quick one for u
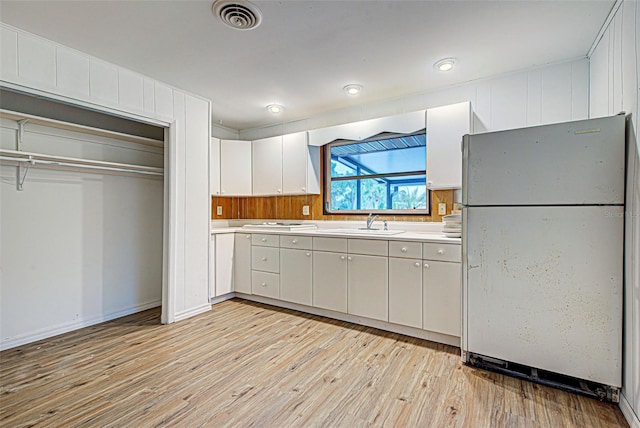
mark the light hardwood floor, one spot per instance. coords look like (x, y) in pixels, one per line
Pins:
(246, 364)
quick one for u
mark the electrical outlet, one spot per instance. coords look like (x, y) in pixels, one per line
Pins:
(442, 208)
(305, 210)
(219, 210)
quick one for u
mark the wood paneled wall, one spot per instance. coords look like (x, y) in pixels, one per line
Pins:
(290, 208)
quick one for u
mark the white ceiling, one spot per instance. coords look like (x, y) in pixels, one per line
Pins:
(306, 51)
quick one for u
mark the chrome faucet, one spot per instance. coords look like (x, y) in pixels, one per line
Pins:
(371, 219)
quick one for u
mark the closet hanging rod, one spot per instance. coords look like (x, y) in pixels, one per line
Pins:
(32, 160)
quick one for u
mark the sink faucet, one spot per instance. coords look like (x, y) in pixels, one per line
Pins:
(371, 219)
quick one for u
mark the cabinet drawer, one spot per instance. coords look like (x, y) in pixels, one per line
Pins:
(266, 259)
(406, 250)
(265, 284)
(371, 247)
(337, 245)
(265, 240)
(296, 242)
(442, 252)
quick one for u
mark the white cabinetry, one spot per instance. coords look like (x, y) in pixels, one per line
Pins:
(214, 166)
(368, 278)
(441, 291)
(285, 165)
(445, 127)
(242, 263)
(267, 166)
(235, 168)
(223, 277)
(405, 283)
(265, 265)
(330, 273)
(296, 269)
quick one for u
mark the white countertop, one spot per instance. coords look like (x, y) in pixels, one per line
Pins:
(424, 232)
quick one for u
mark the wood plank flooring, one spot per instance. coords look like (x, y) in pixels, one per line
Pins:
(250, 365)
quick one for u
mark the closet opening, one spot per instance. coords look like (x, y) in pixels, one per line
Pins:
(81, 217)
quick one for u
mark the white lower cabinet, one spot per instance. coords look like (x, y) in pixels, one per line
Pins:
(368, 283)
(242, 263)
(330, 280)
(224, 244)
(442, 297)
(265, 284)
(405, 291)
(296, 276)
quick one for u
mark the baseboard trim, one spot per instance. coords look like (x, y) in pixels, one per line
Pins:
(222, 298)
(49, 332)
(628, 412)
(192, 312)
(382, 325)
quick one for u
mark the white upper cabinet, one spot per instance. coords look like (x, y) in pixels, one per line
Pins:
(214, 166)
(300, 165)
(445, 127)
(235, 168)
(267, 166)
(285, 165)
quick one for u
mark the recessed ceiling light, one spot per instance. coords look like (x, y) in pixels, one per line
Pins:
(353, 89)
(274, 108)
(445, 64)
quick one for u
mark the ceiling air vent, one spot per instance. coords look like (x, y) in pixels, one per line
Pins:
(237, 14)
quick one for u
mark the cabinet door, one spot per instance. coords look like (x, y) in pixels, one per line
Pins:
(441, 295)
(212, 266)
(405, 292)
(235, 168)
(330, 281)
(296, 276)
(294, 163)
(224, 263)
(242, 263)
(267, 166)
(445, 127)
(368, 280)
(214, 166)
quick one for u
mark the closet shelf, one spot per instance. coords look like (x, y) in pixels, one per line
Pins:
(35, 159)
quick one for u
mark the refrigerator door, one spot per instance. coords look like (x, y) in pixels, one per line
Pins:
(575, 163)
(542, 286)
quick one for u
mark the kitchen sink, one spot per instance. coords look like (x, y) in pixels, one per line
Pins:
(362, 231)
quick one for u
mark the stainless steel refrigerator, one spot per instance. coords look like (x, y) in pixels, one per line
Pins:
(543, 230)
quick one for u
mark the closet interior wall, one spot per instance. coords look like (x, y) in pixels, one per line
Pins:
(78, 245)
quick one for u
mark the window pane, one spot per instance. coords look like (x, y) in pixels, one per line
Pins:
(409, 197)
(394, 193)
(373, 195)
(344, 195)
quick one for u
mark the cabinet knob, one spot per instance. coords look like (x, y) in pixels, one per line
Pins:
(429, 183)
(304, 189)
(349, 258)
(295, 241)
(426, 265)
(264, 259)
(264, 239)
(264, 284)
(222, 192)
(342, 257)
(441, 251)
(308, 254)
(279, 190)
(248, 236)
(403, 249)
(417, 264)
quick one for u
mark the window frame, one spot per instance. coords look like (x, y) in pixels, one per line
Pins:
(327, 180)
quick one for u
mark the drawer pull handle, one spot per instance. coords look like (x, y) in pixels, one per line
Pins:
(342, 257)
(295, 241)
(403, 249)
(264, 259)
(426, 265)
(308, 254)
(441, 251)
(248, 236)
(417, 264)
(349, 258)
(264, 239)
(264, 284)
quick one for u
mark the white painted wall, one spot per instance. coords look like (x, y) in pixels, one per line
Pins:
(39, 66)
(76, 248)
(615, 87)
(554, 93)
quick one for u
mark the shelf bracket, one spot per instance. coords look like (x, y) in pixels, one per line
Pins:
(23, 176)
